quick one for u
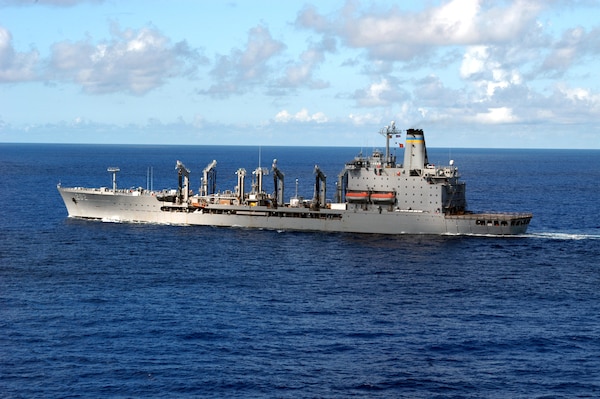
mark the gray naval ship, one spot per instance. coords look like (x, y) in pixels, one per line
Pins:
(374, 194)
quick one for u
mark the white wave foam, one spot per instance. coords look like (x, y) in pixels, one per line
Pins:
(564, 236)
(114, 219)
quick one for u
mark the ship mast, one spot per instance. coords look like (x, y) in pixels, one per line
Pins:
(389, 132)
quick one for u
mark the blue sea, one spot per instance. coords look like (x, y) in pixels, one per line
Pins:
(114, 310)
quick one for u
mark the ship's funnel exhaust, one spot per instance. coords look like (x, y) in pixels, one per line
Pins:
(415, 152)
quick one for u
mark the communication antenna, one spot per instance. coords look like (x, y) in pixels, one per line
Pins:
(259, 156)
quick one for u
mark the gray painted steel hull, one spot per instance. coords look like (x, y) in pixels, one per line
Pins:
(144, 207)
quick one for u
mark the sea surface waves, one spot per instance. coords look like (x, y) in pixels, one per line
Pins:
(108, 310)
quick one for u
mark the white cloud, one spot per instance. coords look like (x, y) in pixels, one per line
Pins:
(384, 92)
(431, 92)
(15, 66)
(480, 67)
(301, 72)
(577, 103)
(474, 61)
(372, 96)
(401, 35)
(301, 116)
(575, 45)
(502, 79)
(260, 48)
(450, 63)
(134, 61)
(241, 69)
(455, 19)
(364, 119)
(495, 116)
(283, 116)
(577, 94)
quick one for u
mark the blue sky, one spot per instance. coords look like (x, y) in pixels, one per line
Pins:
(472, 73)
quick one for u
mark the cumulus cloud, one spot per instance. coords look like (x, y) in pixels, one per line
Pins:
(575, 45)
(301, 116)
(574, 104)
(384, 92)
(364, 119)
(241, 69)
(15, 66)
(134, 61)
(375, 94)
(401, 35)
(475, 62)
(495, 116)
(430, 91)
(301, 73)
(486, 71)
(492, 61)
(490, 46)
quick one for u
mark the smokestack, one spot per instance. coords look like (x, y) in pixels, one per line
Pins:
(415, 151)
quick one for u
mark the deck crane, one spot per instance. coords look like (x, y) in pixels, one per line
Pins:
(209, 179)
(183, 191)
(277, 184)
(320, 196)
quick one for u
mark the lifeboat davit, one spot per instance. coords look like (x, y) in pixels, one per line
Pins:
(357, 196)
(383, 197)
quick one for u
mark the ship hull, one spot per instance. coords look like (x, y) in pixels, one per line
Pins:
(144, 207)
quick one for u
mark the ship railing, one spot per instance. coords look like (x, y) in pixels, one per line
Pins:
(109, 191)
(492, 215)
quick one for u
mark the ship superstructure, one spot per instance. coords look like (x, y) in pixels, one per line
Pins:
(374, 194)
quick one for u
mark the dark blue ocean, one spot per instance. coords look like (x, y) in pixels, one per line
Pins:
(108, 310)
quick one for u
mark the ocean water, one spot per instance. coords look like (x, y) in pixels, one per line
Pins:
(109, 310)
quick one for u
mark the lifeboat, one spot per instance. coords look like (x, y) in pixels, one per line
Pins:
(357, 196)
(382, 196)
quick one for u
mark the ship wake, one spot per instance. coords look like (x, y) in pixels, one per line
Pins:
(563, 236)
